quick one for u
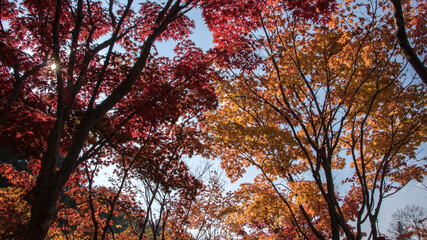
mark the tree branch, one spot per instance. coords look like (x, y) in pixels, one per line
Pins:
(406, 49)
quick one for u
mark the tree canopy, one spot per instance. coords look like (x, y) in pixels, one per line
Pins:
(320, 96)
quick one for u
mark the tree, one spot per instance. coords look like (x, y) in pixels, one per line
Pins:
(331, 118)
(208, 213)
(409, 223)
(74, 69)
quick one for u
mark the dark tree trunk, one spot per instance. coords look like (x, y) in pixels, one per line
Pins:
(43, 209)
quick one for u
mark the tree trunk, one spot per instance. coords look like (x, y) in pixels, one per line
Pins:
(335, 227)
(43, 197)
(43, 209)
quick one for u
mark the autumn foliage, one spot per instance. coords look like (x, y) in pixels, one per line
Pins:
(332, 118)
(83, 88)
(314, 94)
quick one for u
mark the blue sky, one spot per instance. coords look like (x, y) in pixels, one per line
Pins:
(201, 36)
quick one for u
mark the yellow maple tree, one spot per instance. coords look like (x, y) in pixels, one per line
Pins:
(333, 118)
